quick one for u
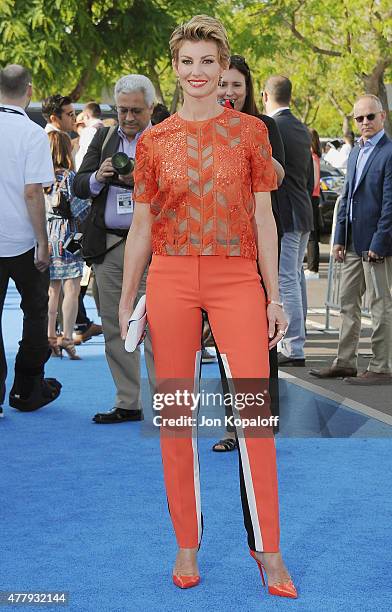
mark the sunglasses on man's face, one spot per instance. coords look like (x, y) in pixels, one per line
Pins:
(369, 117)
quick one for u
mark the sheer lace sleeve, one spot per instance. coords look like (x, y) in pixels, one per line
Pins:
(262, 169)
(146, 186)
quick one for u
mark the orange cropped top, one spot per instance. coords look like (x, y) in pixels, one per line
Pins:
(199, 178)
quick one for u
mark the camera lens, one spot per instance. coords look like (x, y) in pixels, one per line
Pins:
(122, 163)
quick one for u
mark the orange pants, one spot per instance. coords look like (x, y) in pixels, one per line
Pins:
(229, 289)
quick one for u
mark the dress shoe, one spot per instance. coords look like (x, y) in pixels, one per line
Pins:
(290, 361)
(334, 372)
(118, 415)
(310, 275)
(369, 378)
(93, 330)
(42, 391)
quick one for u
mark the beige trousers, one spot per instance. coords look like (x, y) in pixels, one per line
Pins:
(124, 367)
(375, 278)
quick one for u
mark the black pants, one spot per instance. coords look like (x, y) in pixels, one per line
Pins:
(313, 254)
(274, 372)
(33, 287)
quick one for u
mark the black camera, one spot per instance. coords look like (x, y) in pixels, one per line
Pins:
(122, 164)
(73, 244)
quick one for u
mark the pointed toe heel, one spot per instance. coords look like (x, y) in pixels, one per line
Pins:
(284, 589)
(185, 582)
(281, 589)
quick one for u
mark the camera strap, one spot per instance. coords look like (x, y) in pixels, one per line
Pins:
(108, 136)
(106, 251)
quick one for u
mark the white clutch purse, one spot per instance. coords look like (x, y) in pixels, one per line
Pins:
(136, 326)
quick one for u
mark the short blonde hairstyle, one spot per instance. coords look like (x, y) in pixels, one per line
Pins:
(201, 27)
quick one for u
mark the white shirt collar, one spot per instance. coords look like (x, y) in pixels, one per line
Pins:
(277, 110)
(371, 142)
(137, 135)
(49, 127)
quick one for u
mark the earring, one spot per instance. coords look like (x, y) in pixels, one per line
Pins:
(220, 81)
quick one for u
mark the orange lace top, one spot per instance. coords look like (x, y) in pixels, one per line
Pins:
(199, 178)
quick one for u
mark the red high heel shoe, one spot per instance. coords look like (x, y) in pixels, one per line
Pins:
(186, 582)
(283, 589)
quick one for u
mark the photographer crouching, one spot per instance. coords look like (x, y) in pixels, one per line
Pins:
(107, 178)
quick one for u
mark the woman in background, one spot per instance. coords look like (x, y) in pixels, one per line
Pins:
(65, 268)
(236, 85)
(313, 256)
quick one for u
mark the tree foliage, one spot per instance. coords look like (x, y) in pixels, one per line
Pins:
(342, 45)
(75, 45)
(331, 49)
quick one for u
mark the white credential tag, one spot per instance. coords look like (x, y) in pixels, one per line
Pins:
(124, 203)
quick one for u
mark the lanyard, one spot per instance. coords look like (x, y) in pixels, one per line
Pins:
(12, 111)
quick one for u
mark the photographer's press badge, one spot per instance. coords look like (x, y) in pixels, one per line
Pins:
(124, 203)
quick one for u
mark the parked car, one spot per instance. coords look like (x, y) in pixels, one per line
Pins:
(331, 187)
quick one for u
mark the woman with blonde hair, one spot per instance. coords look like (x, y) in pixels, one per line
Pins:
(203, 210)
(63, 211)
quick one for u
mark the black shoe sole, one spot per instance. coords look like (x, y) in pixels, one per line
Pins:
(293, 363)
(322, 377)
(116, 420)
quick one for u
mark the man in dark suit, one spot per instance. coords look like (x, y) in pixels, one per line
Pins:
(295, 214)
(363, 243)
(105, 233)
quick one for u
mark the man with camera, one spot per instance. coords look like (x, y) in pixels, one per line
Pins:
(26, 165)
(363, 243)
(106, 176)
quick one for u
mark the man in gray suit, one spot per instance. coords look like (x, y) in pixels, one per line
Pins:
(105, 233)
(295, 214)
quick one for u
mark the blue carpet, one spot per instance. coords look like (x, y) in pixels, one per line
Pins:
(83, 508)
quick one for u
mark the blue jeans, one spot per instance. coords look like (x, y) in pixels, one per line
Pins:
(290, 270)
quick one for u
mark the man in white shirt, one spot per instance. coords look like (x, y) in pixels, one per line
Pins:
(26, 165)
(92, 121)
(59, 114)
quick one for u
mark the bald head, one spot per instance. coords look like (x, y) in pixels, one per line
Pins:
(373, 100)
(369, 115)
(279, 89)
(14, 81)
